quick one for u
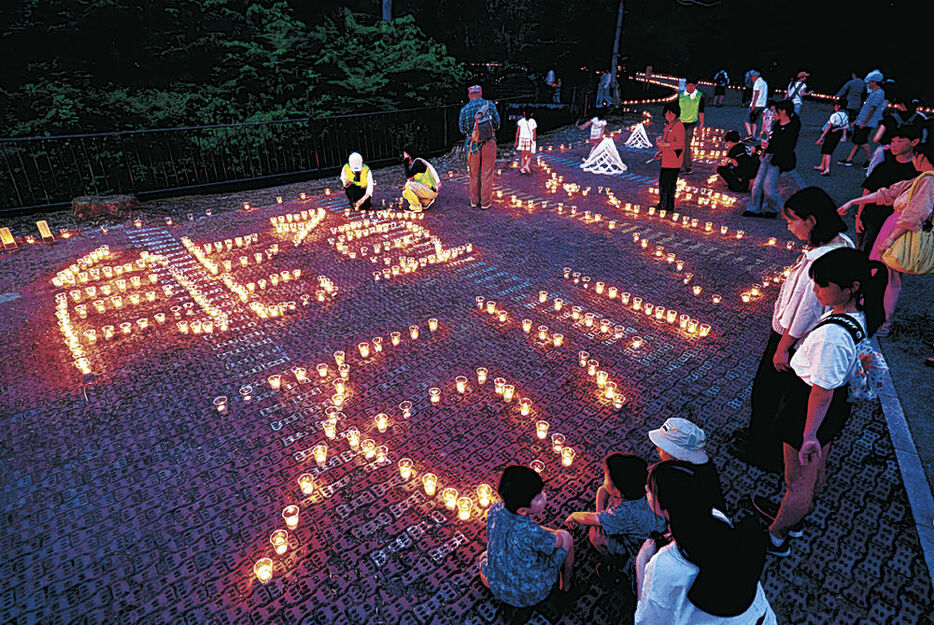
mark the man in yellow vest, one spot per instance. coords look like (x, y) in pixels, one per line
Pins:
(358, 182)
(692, 116)
(422, 183)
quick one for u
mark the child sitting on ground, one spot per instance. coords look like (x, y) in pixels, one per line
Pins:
(524, 560)
(623, 518)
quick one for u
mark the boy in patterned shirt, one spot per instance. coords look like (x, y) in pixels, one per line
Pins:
(524, 560)
(623, 518)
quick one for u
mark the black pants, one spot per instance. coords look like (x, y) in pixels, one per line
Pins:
(765, 445)
(873, 217)
(734, 182)
(667, 184)
(354, 193)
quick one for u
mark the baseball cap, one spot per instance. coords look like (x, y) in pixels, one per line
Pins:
(682, 439)
(874, 76)
(472, 89)
(803, 74)
(355, 161)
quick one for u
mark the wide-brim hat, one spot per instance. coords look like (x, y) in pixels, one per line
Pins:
(682, 439)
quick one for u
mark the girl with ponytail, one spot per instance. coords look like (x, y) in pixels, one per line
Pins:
(814, 408)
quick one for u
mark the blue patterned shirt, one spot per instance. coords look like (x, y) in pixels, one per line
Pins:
(466, 122)
(522, 562)
(628, 522)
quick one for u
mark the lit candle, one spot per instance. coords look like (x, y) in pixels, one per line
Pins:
(610, 391)
(481, 375)
(306, 482)
(220, 403)
(290, 515)
(557, 339)
(413, 332)
(543, 296)
(382, 421)
(263, 570)
(330, 428)
(498, 385)
(537, 465)
(567, 456)
(344, 371)
(378, 344)
(557, 442)
(280, 541)
(716, 299)
(381, 453)
(395, 338)
(322, 370)
(601, 378)
(745, 297)
(491, 307)
(484, 495)
(543, 332)
(592, 365)
(502, 315)
(461, 383)
(526, 325)
(463, 508)
(582, 358)
(301, 374)
(368, 446)
(406, 408)
(449, 495)
(405, 468)
(624, 298)
(339, 358)
(246, 392)
(637, 342)
(637, 303)
(541, 429)
(558, 304)
(697, 290)
(364, 349)
(480, 301)
(275, 381)
(435, 395)
(433, 324)
(320, 452)
(704, 329)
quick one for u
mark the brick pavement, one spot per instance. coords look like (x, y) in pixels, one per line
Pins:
(129, 498)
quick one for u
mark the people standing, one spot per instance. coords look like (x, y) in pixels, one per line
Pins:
(358, 182)
(796, 90)
(760, 95)
(671, 151)
(749, 78)
(605, 90)
(852, 90)
(691, 101)
(597, 127)
(902, 111)
(720, 81)
(832, 133)
(422, 183)
(811, 217)
(778, 158)
(897, 165)
(526, 133)
(913, 203)
(813, 408)
(478, 122)
(868, 118)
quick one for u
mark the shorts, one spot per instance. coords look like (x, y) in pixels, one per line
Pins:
(831, 141)
(861, 135)
(754, 114)
(793, 411)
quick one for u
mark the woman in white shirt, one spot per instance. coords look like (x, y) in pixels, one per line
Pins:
(708, 574)
(526, 130)
(814, 408)
(812, 218)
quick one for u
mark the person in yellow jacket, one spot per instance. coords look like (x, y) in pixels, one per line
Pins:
(358, 182)
(422, 183)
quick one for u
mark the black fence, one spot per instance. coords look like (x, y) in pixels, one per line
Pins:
(41, 173)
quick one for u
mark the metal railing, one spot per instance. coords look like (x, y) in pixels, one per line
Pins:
(42, 173)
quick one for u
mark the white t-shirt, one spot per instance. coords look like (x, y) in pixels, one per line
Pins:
(596, 127)
(763, 96)
(796, 308)
(794, 88)
(838, 119)
(668, 578)
(827, 356)
(526, 126)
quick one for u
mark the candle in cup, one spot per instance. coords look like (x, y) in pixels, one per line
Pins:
(637, 342)
(592, 365)
(704, 329)
(381, 452)
(405, 468)
(543, 296)
(301, 374)
(280, 541)
(575, 313)
(463, 508)
(430, 483)
(461, 383)
(330, 428)
(449, 495)
(559, 303)
(395, 338)
(368, 446)
(602, 378)
(322, 370)
(484, 495)
(320, 452)
(610, 391)
(480, 301)
(491, 307)
(557, 442)
(406, 408)
(498, 385)
(339, 358)
(541, 429)
(220, 403)
(275, 381)
(382, 422)
(246, 392)
(624, 298)
(290, 515)
(582, 358)
(745, 297)
(263, 570)
(543, 332)
(716, 299)
(413, 332)
(306, 482)
(433, 324)
(434, 395)
(501, 314)
(537, 465)
(344, 371)
(526, 325)
(696, 289)
(481, 375)
(378, 344)
(567, 456)
(508, 392)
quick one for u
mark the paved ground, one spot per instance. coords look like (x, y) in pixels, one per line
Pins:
(128, 498)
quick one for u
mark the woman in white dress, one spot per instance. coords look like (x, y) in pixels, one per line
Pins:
(526, 132)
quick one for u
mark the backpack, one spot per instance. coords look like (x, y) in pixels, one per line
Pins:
(870, 376)
(482, 125)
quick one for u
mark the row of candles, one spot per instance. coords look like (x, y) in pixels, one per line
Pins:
(73, 273)
(214, 268)
(635, 303)
(556, 339)
(70, 336)
(298, 225)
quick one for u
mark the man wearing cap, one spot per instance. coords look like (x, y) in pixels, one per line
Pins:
(481, 152)
(868, 118)
(797, 88)
(358, 182)
(680, 439)
(760, 95)
(692, 116)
